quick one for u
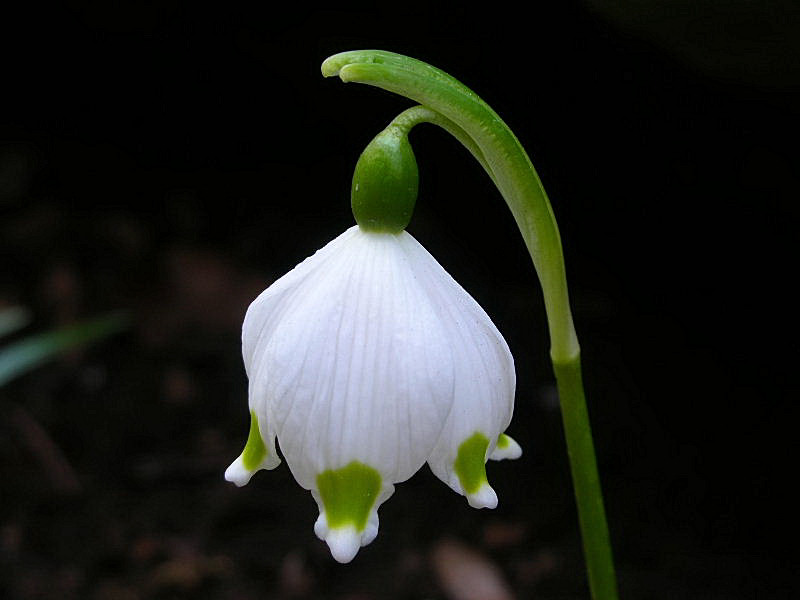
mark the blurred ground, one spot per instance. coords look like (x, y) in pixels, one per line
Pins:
(172, 161)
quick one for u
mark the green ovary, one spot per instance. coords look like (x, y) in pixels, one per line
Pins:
(470, 464)
(349, 494)
(254, 451)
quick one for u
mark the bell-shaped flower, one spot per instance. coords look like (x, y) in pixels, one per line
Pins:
(366, 361)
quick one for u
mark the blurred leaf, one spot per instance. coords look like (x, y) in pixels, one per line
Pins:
(13, 319)
(25, 355)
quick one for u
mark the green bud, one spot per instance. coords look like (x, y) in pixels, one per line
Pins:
(385, 182)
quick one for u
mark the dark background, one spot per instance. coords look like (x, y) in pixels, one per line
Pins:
(172, 160)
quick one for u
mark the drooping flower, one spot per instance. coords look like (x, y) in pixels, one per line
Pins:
(365, 361)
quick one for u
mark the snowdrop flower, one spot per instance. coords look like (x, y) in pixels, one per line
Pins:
(366, 361)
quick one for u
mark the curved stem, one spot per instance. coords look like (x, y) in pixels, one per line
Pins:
(454, 107)
(421, 114)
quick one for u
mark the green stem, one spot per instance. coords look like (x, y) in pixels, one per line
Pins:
(451, 105)
(420, 114)
(586, 480)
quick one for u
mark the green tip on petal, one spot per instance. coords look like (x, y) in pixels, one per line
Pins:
(506, 448)
(470, 464)
(254, 451)
(470, 467)
(348, 494)
(254, 457)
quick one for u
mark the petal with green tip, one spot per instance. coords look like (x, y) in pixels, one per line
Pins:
(348, 499)
(484, 381)
(256, 455)
(358, 366)
(506, 448)
(470, 469)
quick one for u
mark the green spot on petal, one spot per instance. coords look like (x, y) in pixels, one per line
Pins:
(503, 441)
(255, 450)
(470, 464)
(349, 494)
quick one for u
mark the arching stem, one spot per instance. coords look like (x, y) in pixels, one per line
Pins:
(420, 114)
(454, 107)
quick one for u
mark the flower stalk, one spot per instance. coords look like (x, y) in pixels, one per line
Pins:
(449, 104)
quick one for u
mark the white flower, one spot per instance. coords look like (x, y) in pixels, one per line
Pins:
(365, 361)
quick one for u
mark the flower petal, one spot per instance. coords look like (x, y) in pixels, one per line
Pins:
(265, 310)
(348, 501)
(506, 448)
(262, 315)
(259, 453)
(484, 384)
(358, 368)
